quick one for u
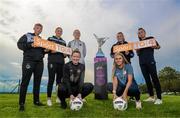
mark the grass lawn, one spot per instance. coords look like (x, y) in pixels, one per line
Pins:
(93, 108)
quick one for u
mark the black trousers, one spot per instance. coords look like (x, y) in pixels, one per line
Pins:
(54, 69)
(29, 68)
(63, 91)
(150, 74)
(131, 92)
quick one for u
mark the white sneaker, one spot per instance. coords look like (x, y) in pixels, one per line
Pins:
(150, 99)
(158, 101)
(138, 105)
(49, 102)
(58, 100)
(84, 100)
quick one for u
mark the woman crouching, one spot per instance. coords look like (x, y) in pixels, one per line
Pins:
(124, 84)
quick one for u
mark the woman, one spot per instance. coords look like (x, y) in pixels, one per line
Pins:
(148, 68)
(55, 64)
(73, 80)
(120, 41)
(124, 84)
(32, 64)
(78, 44)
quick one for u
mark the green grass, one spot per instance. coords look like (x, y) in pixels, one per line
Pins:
(93, 108)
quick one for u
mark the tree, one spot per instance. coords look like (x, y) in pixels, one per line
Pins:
(169, 78)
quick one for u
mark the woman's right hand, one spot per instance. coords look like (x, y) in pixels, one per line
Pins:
(114, 96)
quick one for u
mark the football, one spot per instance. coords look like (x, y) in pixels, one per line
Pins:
(76, 104)
(120, 104)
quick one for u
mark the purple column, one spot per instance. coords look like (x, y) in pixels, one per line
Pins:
(100, 78)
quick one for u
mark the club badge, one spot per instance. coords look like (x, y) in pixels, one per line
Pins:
(28, 66)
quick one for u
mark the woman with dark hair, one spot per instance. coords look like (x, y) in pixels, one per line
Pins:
(124, 83)
(32, 64)
(148, 68)
(55, 64)
(73, 80)
(120, 41)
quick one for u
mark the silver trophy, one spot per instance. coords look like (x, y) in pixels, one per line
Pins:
(100, 42)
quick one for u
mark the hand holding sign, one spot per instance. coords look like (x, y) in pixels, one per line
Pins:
(135, 45)
(38, 42)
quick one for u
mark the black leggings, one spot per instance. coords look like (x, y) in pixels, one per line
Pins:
(63, 91)
(150, 73)
(131, 92)
(54, 69)
(29, 68)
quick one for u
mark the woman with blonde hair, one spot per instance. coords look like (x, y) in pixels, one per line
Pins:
(123, 82)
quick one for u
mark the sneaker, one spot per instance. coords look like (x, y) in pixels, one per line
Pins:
(131, 98)
(158, 101)
(58, 100)
(39, 104)
(138, 105)
(84, 100)
(63, 104)
(150, 99)
(49, 102)
(21, 108)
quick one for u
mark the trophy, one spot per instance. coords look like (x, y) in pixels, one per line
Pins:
(100, 71)
(100, 42)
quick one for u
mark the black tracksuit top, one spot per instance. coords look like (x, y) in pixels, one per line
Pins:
(146, 55)
(30, 53)
(56, 57)
(72, 76)
(128, 57)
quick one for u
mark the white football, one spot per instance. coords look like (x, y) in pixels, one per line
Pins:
(120, 104)
(76, 104)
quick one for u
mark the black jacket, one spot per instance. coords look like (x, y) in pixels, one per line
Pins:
(30, 53)
(56, 57)
(146, 55)
(73, 77)
(128, 57)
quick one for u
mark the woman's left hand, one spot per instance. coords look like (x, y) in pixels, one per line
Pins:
(124, 96)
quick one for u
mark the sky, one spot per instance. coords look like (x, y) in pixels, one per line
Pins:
(160, 18)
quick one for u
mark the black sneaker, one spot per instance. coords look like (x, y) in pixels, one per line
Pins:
(131, 98)
(21, 108)
(63, 104)
(39, 104)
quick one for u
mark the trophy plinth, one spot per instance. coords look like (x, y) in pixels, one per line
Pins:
(100, 71)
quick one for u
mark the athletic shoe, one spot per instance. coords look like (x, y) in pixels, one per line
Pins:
(49, 102)
(84, 100)
(132, 98)
(21, 108)
(63, 104)
(58, 100)
(39, 104)
(138, 105)
(150, 99)
(158, 101)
